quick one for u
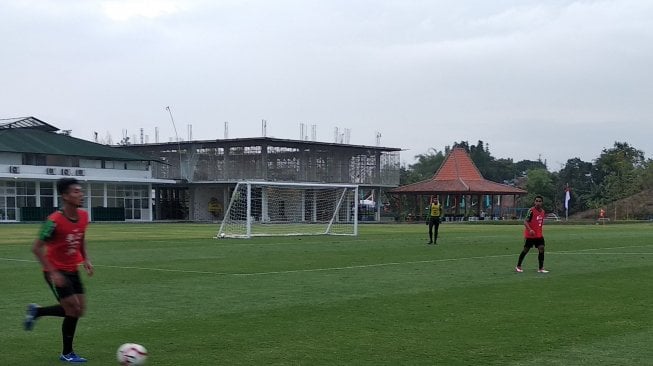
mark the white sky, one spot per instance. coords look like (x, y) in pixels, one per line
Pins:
(554, 79)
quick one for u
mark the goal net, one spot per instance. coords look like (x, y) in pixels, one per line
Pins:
(277, 209)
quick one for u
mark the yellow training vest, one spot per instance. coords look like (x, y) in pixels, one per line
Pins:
(436, 210)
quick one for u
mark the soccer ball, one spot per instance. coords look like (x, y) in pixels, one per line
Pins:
(222, 235)
(131, 354)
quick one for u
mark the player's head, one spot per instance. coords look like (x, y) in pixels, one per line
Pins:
(538, 201)
(434, 199)
(70, 191)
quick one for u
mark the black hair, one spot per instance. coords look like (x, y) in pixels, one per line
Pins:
(64, 184)
(540, 197)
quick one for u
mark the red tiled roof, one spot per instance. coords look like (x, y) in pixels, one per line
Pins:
(458, 174)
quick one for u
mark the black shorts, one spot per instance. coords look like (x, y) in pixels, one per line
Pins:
(72, 287)
(533, 242)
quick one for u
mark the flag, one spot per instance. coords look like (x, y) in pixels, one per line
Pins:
(567, 198)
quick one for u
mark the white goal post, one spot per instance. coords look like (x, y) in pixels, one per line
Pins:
(278, 209)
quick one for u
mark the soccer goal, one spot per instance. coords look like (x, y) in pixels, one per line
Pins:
(277, 209)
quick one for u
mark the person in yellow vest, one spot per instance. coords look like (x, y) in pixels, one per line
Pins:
(433, 220)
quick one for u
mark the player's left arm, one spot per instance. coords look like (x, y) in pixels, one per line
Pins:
(88, 266)
(527, 222)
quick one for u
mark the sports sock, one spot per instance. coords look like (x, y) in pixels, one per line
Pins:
(540, 258)
(68, 332)
(54, 310)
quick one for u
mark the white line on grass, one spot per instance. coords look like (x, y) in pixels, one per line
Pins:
(284, 272)
(17, 260)
(312, 269)
(579, 253)
(362, 266)
(591, 249)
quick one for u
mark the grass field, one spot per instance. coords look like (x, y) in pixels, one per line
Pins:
(382, 298)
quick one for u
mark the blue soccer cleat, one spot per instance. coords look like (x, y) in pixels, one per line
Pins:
(72, 357)
(30, 316)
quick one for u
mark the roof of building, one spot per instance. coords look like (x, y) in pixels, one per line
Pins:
(256, 141)
(458, 174)
(26, 122)
(29, 135)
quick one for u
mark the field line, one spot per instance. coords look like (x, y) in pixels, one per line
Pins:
(613, 253)
(578, 251)
(362, 266)
(287, 271)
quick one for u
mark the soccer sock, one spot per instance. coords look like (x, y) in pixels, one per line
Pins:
(68, 331)
(540, 258)
(521, 258)
(54, 310)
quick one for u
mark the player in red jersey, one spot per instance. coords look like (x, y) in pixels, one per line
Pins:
(61, 248)
(533, 236)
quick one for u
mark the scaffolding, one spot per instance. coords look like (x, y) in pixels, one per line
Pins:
(207, 171)
(274, 160)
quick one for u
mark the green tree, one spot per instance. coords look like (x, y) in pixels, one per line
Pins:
(576, 174)
(618, 173)
(425, 167)
(540, 183)
(521, 167)
(647, 175)
(501, 171)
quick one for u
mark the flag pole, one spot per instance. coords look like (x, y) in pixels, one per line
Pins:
(567, 198)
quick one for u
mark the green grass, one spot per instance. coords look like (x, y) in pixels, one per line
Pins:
(382, 298)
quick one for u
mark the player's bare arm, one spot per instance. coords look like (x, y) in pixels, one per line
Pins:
(39, 251)
(88, 266)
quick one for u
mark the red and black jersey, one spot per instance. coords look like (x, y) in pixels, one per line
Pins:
(535, 220)
(64, 239)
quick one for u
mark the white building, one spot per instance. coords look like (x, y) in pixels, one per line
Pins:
(34, 155)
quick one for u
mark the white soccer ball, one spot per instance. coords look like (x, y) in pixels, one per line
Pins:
(131, 354)
(222, 235)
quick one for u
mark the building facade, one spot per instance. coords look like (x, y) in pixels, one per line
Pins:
(185, 180)
(35, 154)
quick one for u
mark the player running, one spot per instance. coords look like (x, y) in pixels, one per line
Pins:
(61, 248)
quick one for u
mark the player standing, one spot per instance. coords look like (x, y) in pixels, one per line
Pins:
(61, 248)
(533, 236)
(433, 220)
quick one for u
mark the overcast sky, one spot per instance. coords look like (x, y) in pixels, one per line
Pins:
(534, 79)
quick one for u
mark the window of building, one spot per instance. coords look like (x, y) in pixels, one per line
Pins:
(25, 194)
(8, 201)
(46, 191)
(34, 159)
(97, 195)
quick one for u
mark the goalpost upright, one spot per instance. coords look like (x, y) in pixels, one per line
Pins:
(276, 209)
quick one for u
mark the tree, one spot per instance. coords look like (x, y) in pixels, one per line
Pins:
(617, 172)
(496, 170)
(425, 167)
(540, 183)
(647, 175)
(521, 167)
(501, 171)
(576, 174)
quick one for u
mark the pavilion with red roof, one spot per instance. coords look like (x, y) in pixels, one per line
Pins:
(462, 190)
